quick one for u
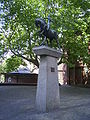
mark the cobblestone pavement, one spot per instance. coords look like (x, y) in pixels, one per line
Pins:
(18, 103)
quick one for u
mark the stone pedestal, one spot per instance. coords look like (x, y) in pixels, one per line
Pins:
(47, 96)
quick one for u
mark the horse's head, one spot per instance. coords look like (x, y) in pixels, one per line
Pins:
(39, 22)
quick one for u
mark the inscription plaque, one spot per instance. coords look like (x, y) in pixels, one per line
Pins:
(52, 69)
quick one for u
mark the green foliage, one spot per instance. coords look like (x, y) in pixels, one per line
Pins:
(13, 63)
(71, 20)
(2, 70)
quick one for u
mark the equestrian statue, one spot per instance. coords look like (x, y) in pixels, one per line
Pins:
(46, 32)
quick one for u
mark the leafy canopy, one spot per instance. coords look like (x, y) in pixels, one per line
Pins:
(70, 18)
(11, 64)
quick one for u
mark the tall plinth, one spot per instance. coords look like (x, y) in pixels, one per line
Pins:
(47, 96)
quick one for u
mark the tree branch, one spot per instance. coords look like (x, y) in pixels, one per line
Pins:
(34, 61)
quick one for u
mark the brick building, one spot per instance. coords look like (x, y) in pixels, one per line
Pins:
(21, 76)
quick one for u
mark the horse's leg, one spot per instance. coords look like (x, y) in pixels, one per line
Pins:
(50, 42)
(43, 41)
(46, 41)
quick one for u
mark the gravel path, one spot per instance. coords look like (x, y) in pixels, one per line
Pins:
(18, 103)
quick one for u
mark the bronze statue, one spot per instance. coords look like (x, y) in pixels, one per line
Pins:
(45, 31)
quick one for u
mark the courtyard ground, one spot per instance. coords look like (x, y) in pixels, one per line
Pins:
(18, 103)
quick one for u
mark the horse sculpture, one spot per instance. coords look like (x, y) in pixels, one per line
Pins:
(46, 31)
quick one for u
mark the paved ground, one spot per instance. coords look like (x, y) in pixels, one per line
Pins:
(18, 103)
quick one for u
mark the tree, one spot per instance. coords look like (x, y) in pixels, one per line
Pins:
(1, 69)
(70, 19)
(11, 64)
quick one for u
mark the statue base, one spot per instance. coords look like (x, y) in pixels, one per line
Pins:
(47, 96)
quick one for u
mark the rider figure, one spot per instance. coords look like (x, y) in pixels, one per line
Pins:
(48, 24)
